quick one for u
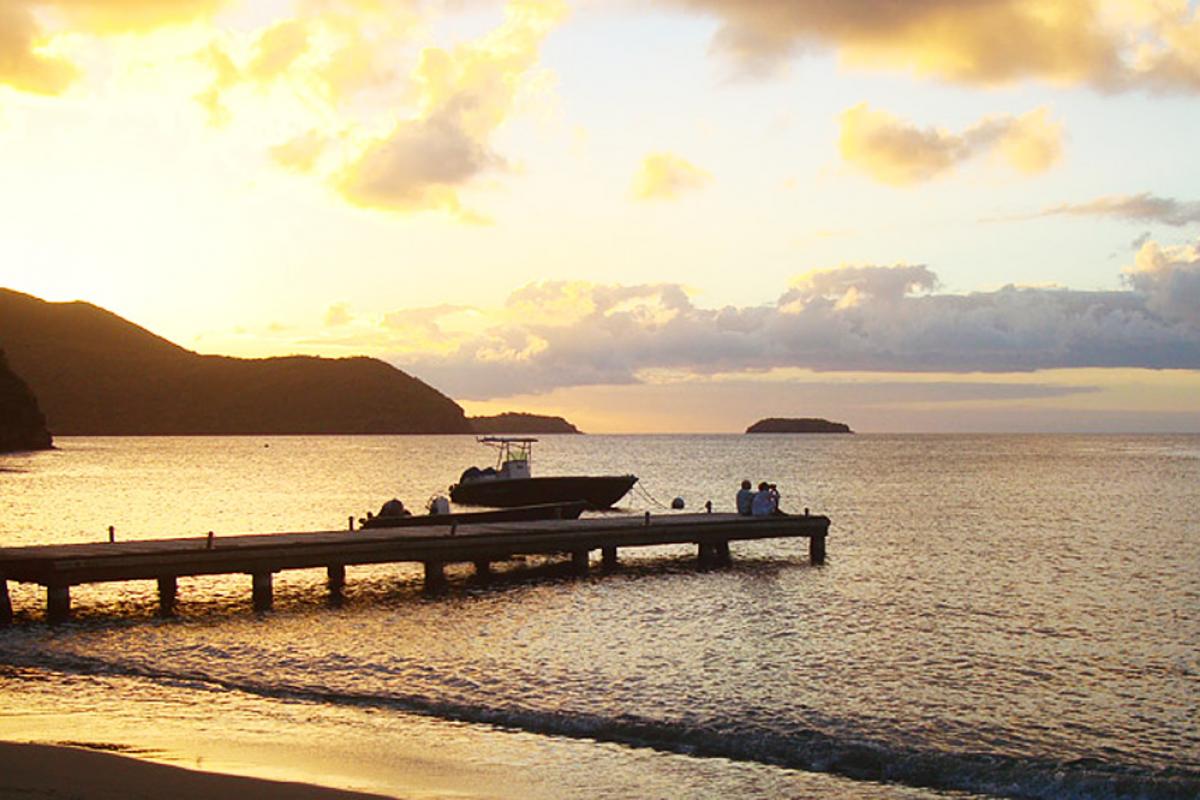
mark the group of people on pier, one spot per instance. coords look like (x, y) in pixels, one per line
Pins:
(763, 503)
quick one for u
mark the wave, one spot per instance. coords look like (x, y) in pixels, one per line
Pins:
(795, 747)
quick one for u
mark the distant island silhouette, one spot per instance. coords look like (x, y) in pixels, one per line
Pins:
(95, 373)
(22, 424)
(518, 422)
(798, 425)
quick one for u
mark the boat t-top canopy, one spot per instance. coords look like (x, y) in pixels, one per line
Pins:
(512, 449)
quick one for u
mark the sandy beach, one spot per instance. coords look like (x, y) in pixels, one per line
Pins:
(35, 771)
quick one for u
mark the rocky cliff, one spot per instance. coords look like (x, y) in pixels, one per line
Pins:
(22, 424)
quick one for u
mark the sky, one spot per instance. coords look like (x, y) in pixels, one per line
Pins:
(653, 216)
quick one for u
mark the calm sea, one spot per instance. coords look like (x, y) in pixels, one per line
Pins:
(1013, 616)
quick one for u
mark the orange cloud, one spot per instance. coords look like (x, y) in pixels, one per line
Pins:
(666, 176)
(466, 95)
(21, 65)
(25, 67)
(1106, 43)
(896, 152)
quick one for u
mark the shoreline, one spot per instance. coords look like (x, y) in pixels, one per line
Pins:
(52, 771)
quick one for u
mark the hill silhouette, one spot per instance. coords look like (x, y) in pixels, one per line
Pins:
(95, 373)
(22, 424)
(798, 425)
(519, 422)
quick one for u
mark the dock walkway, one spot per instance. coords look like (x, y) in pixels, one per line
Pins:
(58, 567)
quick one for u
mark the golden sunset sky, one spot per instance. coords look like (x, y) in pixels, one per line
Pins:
(666, 215)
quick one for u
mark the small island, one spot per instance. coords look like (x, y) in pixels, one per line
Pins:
(521, 423)
(801, 425)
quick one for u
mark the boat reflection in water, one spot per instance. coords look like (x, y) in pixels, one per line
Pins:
(511, 483)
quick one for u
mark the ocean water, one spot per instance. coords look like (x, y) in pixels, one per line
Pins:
(999, 616)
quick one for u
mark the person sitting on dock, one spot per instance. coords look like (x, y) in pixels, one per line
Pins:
(394, 508)
(766, 501)
(745, 500)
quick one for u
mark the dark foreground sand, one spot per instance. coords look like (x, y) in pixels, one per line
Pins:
(43, 772)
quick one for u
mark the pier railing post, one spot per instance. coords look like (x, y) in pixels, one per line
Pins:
(262, 591)
(58, 603)
(6, 614)
(168, 590)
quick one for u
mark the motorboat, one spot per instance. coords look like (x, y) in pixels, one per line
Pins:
(569, 510)
(511, 483)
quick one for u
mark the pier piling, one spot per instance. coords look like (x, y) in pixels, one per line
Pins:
(579, 562)
(336, 574)
(483, 570)
(263, 594)
(435, 577)
(168, 591)
(816, 548)
(608, 557)
(6, 612)
(58, 603)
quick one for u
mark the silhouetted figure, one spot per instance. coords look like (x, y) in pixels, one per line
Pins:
(745, 499)
(394, 508)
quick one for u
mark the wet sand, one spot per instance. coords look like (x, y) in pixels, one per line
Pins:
(46, 772)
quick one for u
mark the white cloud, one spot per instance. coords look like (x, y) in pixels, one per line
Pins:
(850, 319)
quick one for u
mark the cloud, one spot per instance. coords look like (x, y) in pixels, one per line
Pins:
(23, 32)
(21, 65)
(338, 315)
(666, 176)
(860, 318)
(896, 152)
(1169, 277)
(1106, 44)
(300, 153)
(466, 95)
(277, 48)
(1143, 207)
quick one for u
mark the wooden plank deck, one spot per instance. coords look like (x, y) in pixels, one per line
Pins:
(58, 567)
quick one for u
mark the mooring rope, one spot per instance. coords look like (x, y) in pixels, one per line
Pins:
(650, 497)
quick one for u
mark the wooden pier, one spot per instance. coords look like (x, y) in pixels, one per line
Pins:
(59, 567)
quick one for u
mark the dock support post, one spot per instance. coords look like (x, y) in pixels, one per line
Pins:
(168, 591)
(262, 592)
(706, 554)
(6, 615)
(723, 556)
(483, 570)
(435, 577)
(579, 562)
(336, 574)
(58, 603)
(816, 548)
(608, 557)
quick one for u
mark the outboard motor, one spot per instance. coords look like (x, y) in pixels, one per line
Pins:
(439, 505)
